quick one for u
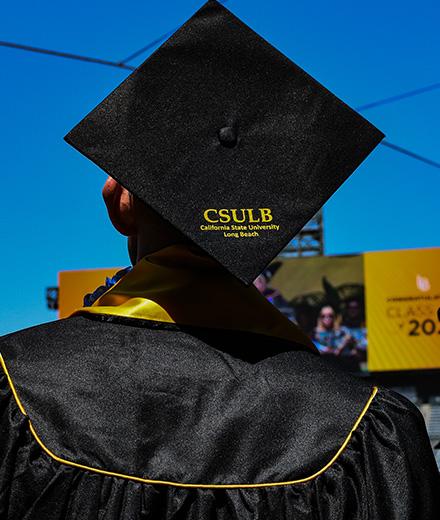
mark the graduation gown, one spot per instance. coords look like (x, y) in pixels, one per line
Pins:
(182, 394)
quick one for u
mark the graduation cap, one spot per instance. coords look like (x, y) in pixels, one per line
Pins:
(227, 139)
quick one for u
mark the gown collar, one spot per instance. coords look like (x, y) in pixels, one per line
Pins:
(178, 285)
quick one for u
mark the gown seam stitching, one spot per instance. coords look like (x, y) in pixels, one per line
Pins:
(181, 484)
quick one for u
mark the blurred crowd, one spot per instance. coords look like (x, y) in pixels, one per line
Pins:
(337, 330)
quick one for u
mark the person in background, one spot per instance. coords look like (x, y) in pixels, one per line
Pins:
(330, 336)
(354, 322)
(305, 315)
(273, 295)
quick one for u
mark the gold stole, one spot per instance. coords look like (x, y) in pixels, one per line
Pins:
(178, 285)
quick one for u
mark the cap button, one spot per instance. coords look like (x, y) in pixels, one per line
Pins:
(228, 136)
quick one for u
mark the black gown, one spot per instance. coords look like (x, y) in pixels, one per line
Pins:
(112, 417)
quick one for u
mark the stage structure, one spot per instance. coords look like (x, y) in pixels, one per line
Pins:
(309, 241)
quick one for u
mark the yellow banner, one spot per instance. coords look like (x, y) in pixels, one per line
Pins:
(73, 285)
(402, 299)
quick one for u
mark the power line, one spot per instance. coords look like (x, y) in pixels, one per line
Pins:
(119, 64)
(405, 151)
(123, 65)
(65, 55)
(398, 97)
(148, 46)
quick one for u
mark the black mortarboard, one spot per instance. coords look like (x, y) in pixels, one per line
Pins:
(226, 139)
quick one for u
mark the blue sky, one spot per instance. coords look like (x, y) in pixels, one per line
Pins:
(52, 215)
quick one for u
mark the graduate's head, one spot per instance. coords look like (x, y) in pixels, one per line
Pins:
(226, 139)
(145, 229)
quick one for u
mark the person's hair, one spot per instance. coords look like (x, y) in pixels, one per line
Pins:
(336, 322)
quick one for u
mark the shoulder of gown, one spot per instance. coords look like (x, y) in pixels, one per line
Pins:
(203, 435)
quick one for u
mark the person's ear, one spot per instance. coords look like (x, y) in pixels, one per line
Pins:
(120, 207)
